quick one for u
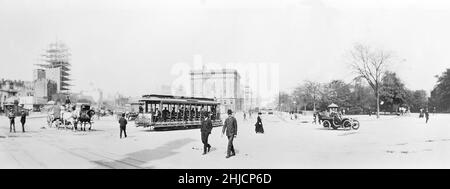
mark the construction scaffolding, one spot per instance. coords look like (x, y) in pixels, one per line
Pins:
(56, 58)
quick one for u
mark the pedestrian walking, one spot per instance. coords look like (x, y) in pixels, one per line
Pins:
(245, 116)
(258, 125)
(12, 117)
(205, 131)
(315, 117)
(123, 125)
(427, 115)
(23, 119)
(230, 128)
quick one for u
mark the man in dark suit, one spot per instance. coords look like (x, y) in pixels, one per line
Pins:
(205, 130)
(12, 117)
(123, 125)
(230, 127)
(23, 118)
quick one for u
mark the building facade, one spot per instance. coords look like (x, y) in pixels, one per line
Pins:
(44, 89)
(224, 85)
(38, 74)
(56, 66)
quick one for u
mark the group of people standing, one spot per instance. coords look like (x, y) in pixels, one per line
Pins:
(183, 114)
(12, 123)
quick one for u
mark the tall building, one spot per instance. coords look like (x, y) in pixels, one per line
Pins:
(38, 74)
(44, 89)
(224, 85)
(57, 66)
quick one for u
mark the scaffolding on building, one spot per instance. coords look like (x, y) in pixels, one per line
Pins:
(57, 55)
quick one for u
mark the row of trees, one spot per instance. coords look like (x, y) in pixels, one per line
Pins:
(384, 89)
(356, 96)
(440, 95)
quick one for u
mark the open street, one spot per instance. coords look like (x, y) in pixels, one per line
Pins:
(388, 142)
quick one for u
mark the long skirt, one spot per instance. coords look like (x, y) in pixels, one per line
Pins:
(259, 128)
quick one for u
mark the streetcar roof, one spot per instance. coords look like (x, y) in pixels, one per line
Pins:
(166, 99)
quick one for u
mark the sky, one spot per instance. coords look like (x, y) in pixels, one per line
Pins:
(134, 47)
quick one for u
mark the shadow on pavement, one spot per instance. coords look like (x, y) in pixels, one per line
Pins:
(137, 159)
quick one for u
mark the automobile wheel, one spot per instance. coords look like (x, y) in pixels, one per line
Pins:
(326, 123)
(355, 125)
(347, 124)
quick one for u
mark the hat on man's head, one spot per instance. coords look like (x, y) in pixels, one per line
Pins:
(230, 112)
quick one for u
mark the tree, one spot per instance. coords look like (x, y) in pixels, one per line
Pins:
(362, 95)
(312, 92)
(440, 95)
(416, 99)
(370, 64)
(284, 102)
(392, 91)
(339, 92)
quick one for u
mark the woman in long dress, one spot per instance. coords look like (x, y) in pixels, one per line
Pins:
(258, 125)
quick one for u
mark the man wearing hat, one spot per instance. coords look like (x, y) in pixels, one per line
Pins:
(123, 125)
(205, 130)
(12, 117)
(230, 126)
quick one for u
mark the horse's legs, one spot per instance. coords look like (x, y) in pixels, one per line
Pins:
(90, 125)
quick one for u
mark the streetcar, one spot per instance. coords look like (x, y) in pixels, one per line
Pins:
(176, 112)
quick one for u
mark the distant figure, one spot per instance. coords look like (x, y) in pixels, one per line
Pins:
(165, 114)
(426, 116)
(12, 117)
(158, 115)
(245, 116)
(421, 113)
(205, 130)
(23, 119)
(141, 109)
(68, 100)
(123, 125)
(172, 114)
(319, 117)
(258, 125)
(315, 117)
(230, 127)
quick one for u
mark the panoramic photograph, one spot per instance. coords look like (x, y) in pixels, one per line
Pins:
(224, 84)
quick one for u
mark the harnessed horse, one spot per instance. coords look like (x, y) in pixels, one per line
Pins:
(85, 118)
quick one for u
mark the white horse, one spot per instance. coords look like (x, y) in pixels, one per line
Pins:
(68, 119)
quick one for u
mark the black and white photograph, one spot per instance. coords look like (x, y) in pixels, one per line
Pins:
(224, 84)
